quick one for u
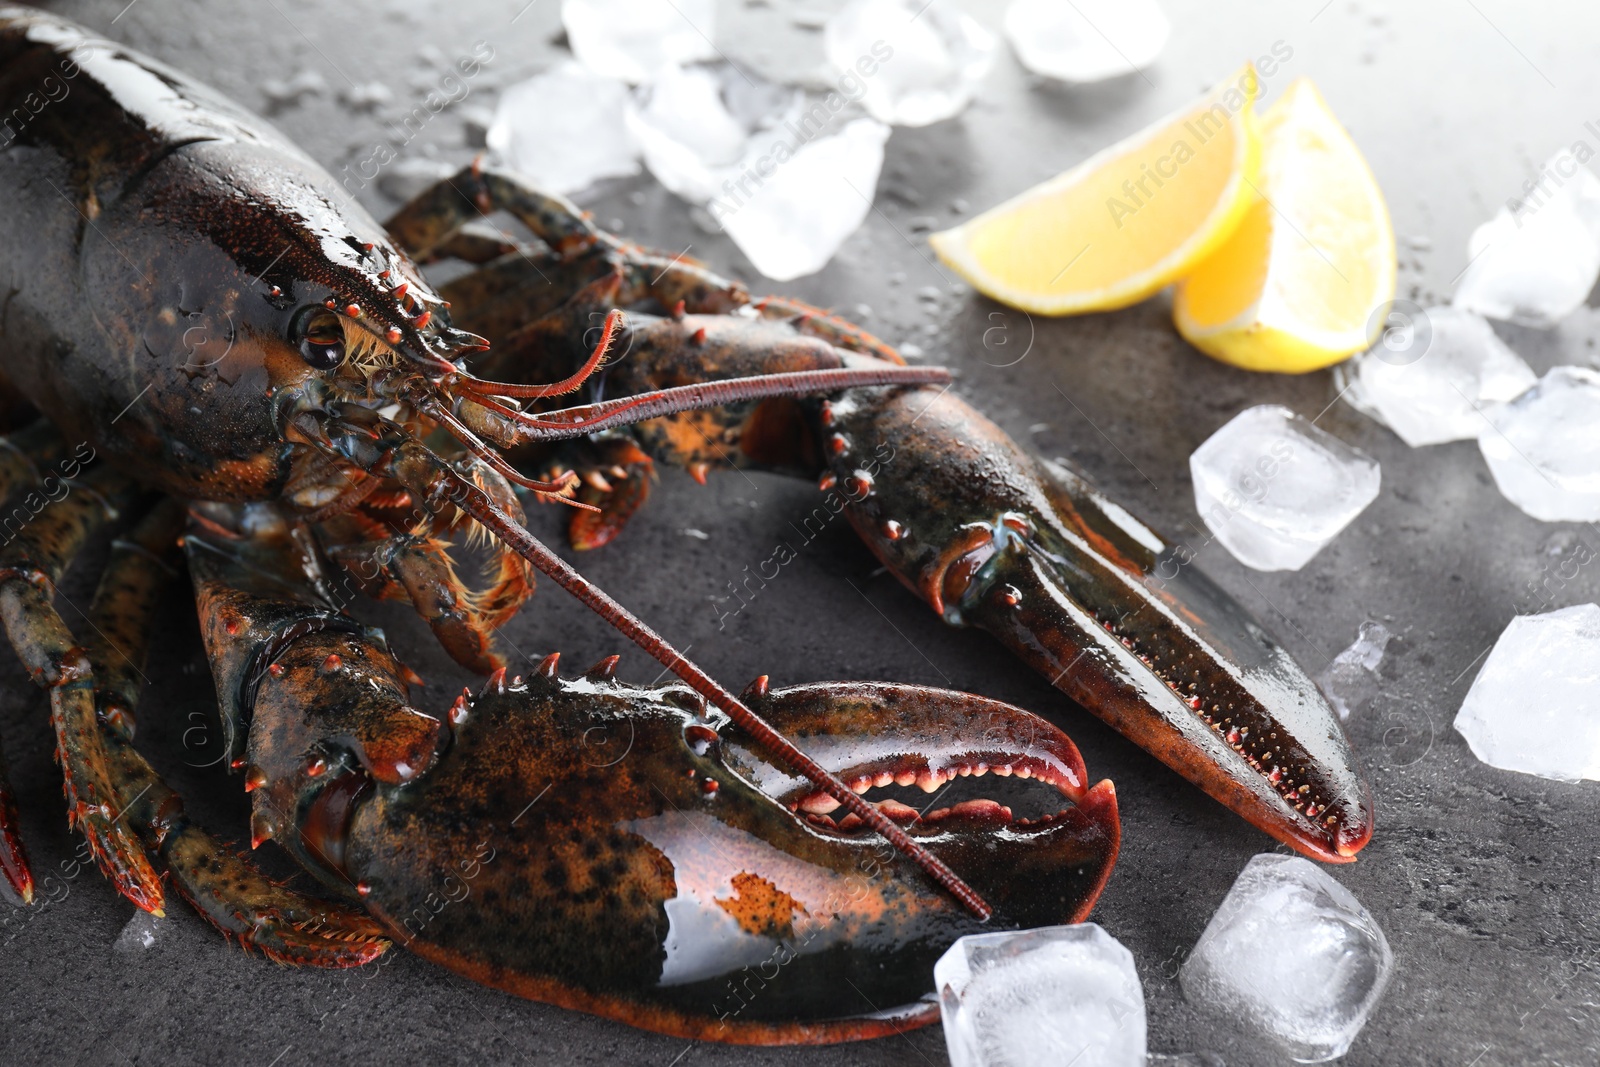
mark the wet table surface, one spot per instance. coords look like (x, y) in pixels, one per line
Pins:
(1484, 880)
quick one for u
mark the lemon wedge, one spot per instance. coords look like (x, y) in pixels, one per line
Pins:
(1303, 281)
(1125, 223)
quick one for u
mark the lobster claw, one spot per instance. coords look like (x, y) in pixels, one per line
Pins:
(613, 849)
(1111, 613)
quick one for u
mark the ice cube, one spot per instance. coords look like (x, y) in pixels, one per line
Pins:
(564, 129)
(1438, 385)
(1056, 995)
(702, 126)
(405, 178)
(795, 218)
(1347, 387)
(1351, 680)
(1274, 489)
(632, 39)
(1543, 448)
(787, 192)
(1535, 705)
(1291, 955)
(139, 933)
(1087, 40)
(916, 61)
(1535, 267)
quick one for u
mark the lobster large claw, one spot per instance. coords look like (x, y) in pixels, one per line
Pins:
(612, 849)
(626, 850)
(1106, 609)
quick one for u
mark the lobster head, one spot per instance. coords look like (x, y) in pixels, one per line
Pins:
(259, 304)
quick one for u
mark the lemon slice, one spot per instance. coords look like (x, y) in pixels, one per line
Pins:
(1124, 223)
(1302, 281)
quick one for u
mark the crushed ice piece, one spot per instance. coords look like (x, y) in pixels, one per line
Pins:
(704, 128)
(1537, 266)
(702, 220)
(564, 129)
(914, 62)
(1535, 705)
(475, 123)
(1543, 448)
(698, 535)
(1275, 489)
(140, 933)
(405, 178)
(286, 92)
(366, 97)
(1347, 387)
(804, 210)
(1292, 955)
(1559, 543)
(1086, 40)
(1438, 382)
(787, 193)
(1059, 994)
(1351, 680)
(632, 39)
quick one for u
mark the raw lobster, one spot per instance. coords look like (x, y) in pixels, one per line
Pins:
(197, 303)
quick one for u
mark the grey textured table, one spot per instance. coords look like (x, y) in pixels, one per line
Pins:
(1484, 881)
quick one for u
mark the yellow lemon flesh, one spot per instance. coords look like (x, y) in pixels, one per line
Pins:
(1302, 282)
(1124, 223)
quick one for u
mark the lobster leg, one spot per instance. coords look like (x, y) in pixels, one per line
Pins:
(30, 567)
(21, 456)
(390, 548)
(434, 216)
(414, 564)
(616, 477)
(417, 569)
(13, 855)
(222, 886)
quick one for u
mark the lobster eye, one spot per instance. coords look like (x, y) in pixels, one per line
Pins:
(320, 335)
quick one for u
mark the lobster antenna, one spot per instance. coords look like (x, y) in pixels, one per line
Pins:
(479, 387)
(475, 502)
(474, 444)
(586, 419)
(592, 418)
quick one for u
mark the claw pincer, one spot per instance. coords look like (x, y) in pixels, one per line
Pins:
(630, 851)
(992, 537)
